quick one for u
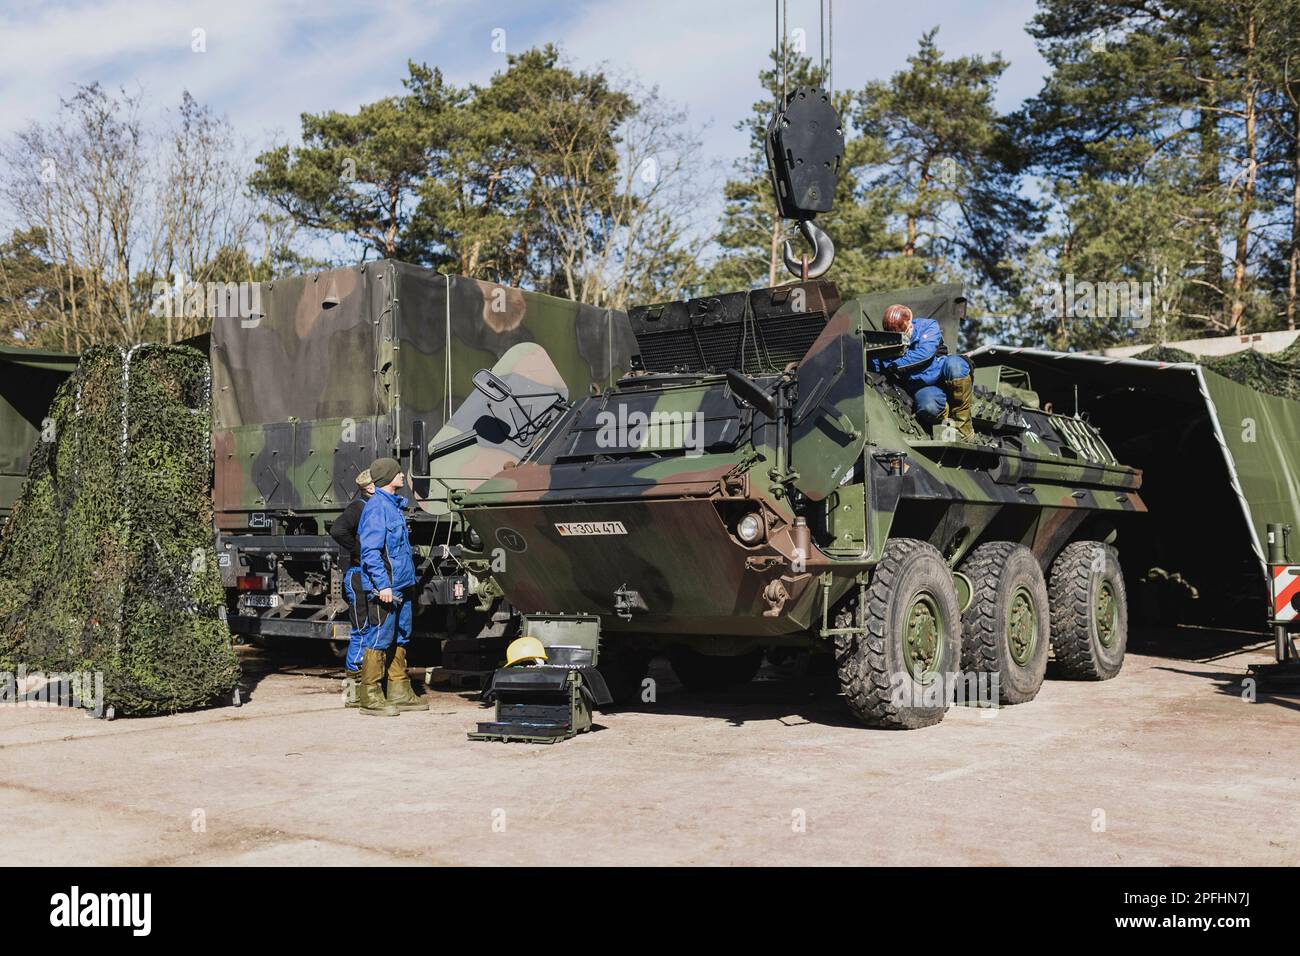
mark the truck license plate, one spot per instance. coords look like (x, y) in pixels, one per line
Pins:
(262, 600)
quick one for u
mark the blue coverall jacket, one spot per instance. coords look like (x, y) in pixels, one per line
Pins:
(926, 368)
(918, 365)
(386, 557)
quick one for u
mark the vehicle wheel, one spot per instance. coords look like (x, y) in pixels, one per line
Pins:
(1089, 611)
(1005, 631)
(702, 673)
(901, 671)
(624, 667)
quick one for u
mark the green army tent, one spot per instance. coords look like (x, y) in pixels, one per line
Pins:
(1220, 457)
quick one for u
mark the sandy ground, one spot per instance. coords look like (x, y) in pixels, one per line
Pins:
(1166, 764)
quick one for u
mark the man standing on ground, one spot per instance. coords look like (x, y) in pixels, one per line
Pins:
(388, 575)
(344, 532)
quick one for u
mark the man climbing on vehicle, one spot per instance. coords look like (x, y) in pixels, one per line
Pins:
(388, 575)
(344, 532)
(939, 383)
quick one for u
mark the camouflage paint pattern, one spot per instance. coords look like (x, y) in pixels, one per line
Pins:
(325, 373)
(339, 367)
(530, 374)
(856, 465)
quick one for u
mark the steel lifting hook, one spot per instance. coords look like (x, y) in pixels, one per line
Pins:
(823, 252)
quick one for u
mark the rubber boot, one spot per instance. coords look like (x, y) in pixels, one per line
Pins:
(351, 688)
(962, 394)
(400, 692)
(370, 692)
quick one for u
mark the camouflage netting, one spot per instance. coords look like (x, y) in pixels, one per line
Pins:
(1277, 374)
(105, 563)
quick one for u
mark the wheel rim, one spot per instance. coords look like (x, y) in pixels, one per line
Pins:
(1022, 627)
(1107, 613)
(923, 639)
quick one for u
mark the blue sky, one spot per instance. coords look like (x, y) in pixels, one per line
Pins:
(266, 62)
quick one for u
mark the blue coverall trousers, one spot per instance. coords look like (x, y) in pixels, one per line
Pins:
(391, 623)
(931, 400)
(359, 615)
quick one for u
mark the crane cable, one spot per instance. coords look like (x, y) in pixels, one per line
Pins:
(780, 23)
(825, 39)
(830, 45)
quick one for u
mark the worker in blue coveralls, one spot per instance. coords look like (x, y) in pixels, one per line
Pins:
(939, 383)
(344, 532)
(388, 575)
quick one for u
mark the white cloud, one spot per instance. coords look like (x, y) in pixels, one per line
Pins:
(266, 63)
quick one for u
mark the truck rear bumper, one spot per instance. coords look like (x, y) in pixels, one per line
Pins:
(287, 627)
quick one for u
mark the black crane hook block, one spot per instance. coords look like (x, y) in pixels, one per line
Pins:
(805, 149)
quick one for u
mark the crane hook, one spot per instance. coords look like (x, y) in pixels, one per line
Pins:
(823, 251)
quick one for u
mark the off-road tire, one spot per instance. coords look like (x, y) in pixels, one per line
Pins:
(705, 673)
(1006, 580)
(878, 686)
(624, 668)
(1081, 577)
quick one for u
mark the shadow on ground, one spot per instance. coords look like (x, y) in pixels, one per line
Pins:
(1194, 651)
(313, 658)
(797, 691)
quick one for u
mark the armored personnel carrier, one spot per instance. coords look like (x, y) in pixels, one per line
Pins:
(754, 482)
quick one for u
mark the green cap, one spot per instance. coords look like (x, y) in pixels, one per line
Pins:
(384, 470)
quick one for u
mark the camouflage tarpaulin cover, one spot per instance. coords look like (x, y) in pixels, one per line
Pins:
(1256, 399)
(106, 562)
(1277, 374)
(339, 366)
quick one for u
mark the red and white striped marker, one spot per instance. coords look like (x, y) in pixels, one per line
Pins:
(1286, 587)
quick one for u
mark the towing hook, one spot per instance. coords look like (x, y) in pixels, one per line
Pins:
(628, 602)
(823, 251)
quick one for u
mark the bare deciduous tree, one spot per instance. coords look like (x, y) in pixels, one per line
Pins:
(619, 210)
(118, 205)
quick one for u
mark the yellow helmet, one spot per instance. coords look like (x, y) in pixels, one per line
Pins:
(523, 650)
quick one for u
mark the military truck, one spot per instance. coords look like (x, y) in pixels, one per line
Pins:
(315, 376)
(28, 380)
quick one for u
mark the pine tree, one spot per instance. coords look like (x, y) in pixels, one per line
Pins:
(938, 148)
(1158, 133)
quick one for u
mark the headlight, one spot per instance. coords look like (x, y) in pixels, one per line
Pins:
(474, 541)
(749, 529)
